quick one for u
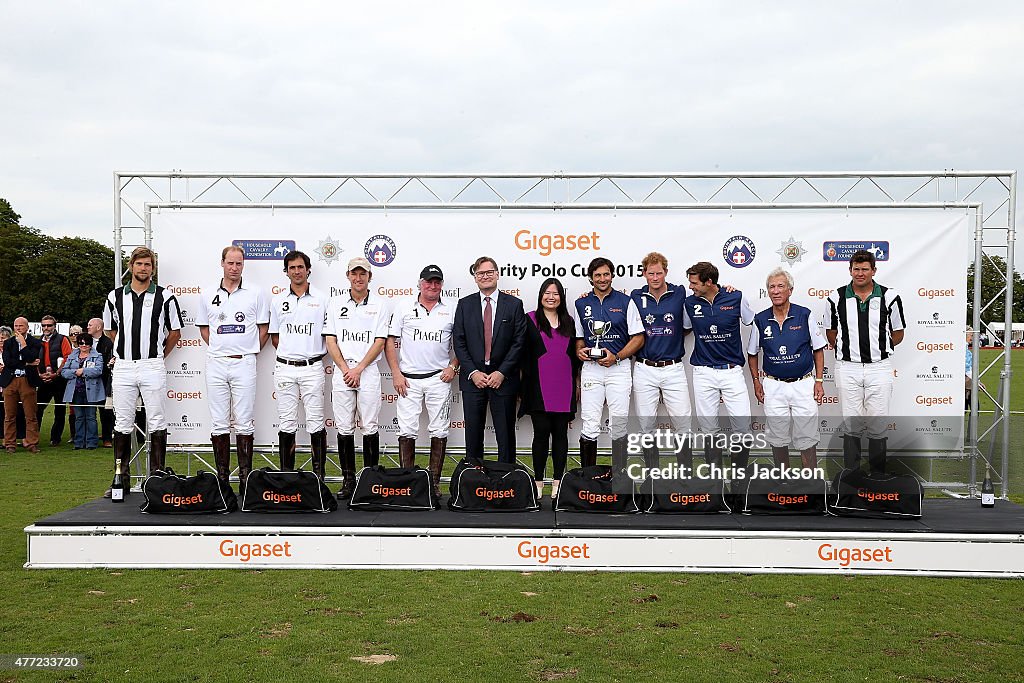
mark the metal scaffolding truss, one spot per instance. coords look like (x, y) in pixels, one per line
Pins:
(989, 195)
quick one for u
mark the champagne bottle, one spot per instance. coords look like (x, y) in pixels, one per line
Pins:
(988, 494)
(117, 487)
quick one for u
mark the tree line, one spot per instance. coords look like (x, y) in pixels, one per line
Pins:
(66, 277)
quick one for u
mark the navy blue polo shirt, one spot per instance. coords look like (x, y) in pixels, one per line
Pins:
(663, 321)
(716, 328)
(616, 308)
(788, 348)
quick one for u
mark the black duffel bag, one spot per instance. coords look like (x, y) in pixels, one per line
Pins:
(270, 490)
(779, 496)
(398, 488)
(203, 493)
(491, 486)
(680, 496)
(593, 489)
(856, 493)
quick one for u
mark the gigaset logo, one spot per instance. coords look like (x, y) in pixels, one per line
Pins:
(543, 553)
(871, 496)
(844, 556)
(592, 497)
(280, 498)
(178, 501)
(246, 551)
(494, 494)
(684, 499)
(786, 500)
(388, 491)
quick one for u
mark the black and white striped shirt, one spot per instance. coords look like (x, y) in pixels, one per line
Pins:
(141, 321)
(864, 328)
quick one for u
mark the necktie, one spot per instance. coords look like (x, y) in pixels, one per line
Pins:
(488, 329)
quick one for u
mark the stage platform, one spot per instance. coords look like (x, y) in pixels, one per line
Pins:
(955, 537)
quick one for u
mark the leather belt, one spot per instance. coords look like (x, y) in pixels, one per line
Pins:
(728, 366)
(301, 363)
(422, 375)
(788, 380)
(660, 363)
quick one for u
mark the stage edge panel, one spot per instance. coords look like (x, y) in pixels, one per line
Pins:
(929, 554)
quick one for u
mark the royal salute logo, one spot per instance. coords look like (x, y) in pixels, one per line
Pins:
(739, 251)
(380, 250)
(184, 425)
(934, 375)
(183, 371)
(936, 320)
(936, 427)
(187, 318)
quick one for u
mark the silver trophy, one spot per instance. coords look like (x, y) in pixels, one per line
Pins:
(598, 328)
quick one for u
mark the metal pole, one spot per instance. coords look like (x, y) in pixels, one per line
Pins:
(1007, 366)
(979, 240)
(117, 231)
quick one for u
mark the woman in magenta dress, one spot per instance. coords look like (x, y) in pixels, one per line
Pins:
(550, 377)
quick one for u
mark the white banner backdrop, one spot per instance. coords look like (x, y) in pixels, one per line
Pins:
(921, 254)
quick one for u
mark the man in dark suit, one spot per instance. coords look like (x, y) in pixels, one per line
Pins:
(489, 334)
(19, 379)
(105, 347)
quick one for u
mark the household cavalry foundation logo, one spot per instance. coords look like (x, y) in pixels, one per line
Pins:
(329, 250)
(380, 250)
(739, 251)
(791, 251)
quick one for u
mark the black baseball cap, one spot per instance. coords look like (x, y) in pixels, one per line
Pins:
(431, 273)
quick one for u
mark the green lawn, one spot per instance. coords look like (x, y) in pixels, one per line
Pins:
(238, 625)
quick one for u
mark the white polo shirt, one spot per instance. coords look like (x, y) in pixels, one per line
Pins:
(233, 318)
(356, 326)
(299, 324)
(425, 338)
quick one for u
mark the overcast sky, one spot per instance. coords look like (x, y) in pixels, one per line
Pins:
(93, 87)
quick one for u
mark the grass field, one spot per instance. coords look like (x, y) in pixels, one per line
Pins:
(178, 625)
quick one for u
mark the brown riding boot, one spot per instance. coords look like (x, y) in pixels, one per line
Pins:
(157, 449)
(222, 455)
(437, 451)
(123, 452)
(347, 458)
(406, 451)
(243, 443)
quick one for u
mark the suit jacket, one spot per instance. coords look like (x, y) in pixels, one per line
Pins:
(105, 347)
(15, 358)
(508, 337)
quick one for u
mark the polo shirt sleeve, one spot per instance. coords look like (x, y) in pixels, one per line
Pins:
(818, 340)
(383, 322)
(633, 322)
(747, 312)
(578, 320)
(203, 314)
(275, 317)
(896, 319)
(262, 307)
(329, 330)
(172, 314)
(833, 311)
(754, 341)
(109, 314)
(395, 328)
(687, 323)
